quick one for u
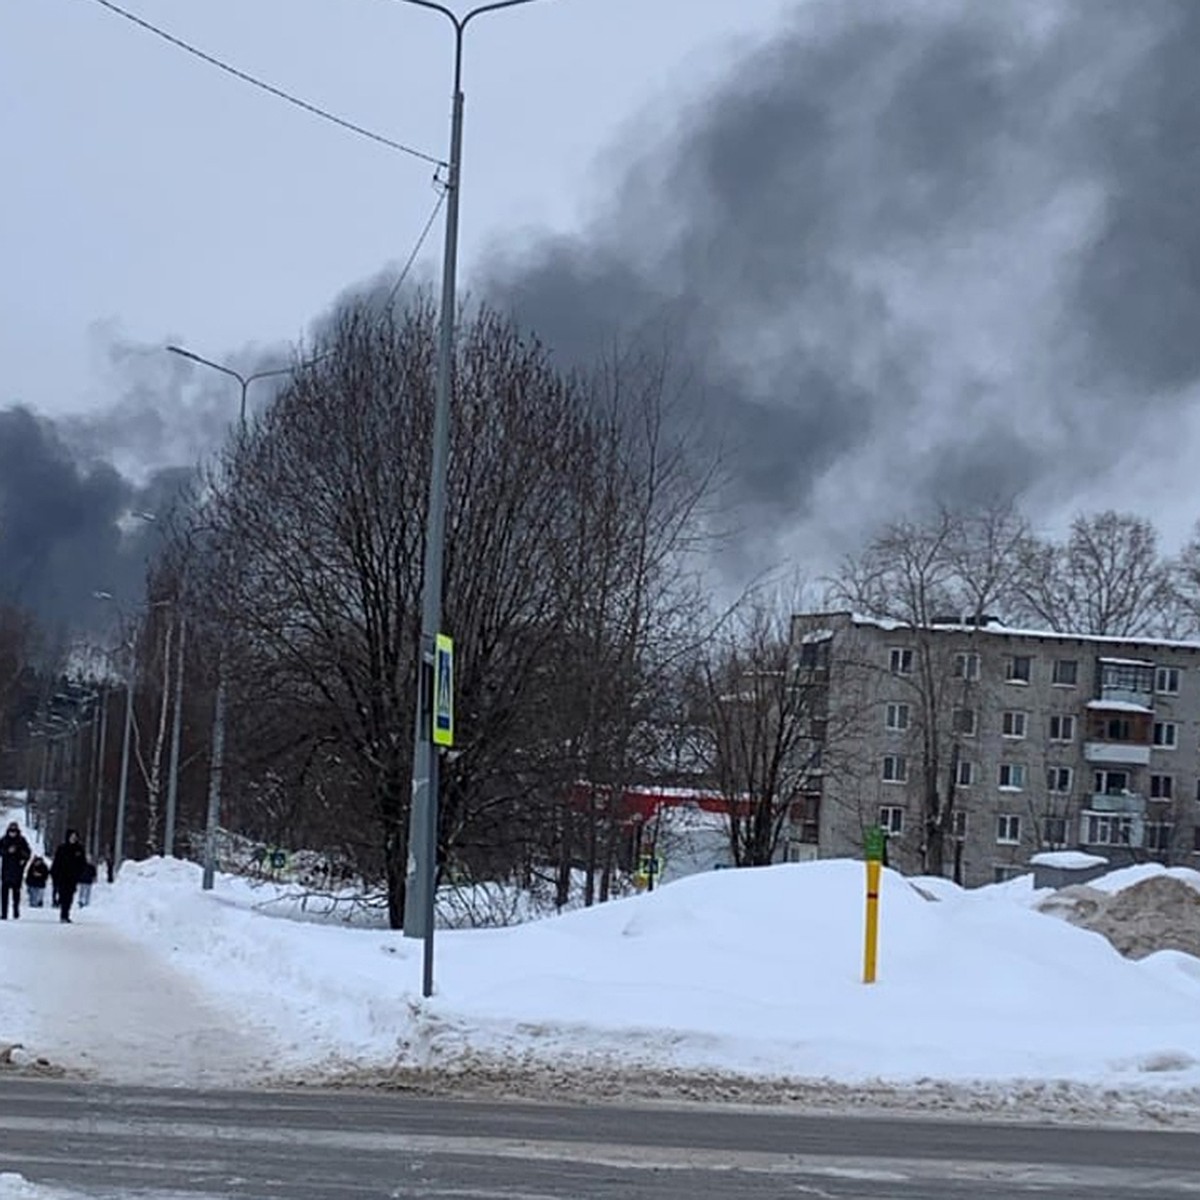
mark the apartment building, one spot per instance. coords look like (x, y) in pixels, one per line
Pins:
(1033, 740)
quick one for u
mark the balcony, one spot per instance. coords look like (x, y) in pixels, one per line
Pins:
(1130, 803)
(1133, 754)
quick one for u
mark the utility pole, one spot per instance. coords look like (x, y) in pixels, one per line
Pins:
(421, 872)
(176, 730)
(216, 764)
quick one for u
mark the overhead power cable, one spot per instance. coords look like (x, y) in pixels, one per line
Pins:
(316, 111)
(412, 258)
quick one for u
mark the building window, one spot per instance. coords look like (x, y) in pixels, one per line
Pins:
(806, 819)
(966, 722)
(958, 824)
(1062, 728)
(1066, 672)
(1008, 829)
(1012, 776)
(1196, 839)
(1166, 680)
(1018, 668)
(896, 718)
(1054, 832)
(1159, 836)
(966, 773)
(1162, 787)
(1112, 783)
(1012, 724)
(1106, 829)
(891, 819)
(966, 666)
(895, 768)
(1003, 872)
(1058, 780)
(901, 660)
(1166, 735)
(1116, 729)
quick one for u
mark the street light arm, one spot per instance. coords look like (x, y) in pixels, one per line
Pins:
(274, 371)
(208, 363)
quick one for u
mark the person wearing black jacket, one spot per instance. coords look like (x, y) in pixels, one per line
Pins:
(14, 854)
(35, 880)
(66, 870)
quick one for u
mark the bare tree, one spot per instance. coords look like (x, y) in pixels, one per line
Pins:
(314, 522)
(1107, 579)
(767, 713)
(953, 567)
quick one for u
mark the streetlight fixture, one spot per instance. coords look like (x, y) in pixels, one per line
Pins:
(216, 765)
(421, 881)
(244, 380)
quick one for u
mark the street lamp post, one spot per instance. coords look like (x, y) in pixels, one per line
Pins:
(421, 873)
(216, 765)
(244, 380)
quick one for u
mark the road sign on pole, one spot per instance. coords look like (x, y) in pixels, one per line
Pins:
(443, 690)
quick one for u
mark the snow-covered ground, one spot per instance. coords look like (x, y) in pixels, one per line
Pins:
(751, 973)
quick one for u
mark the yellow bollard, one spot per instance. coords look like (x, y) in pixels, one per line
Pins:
(874, 841)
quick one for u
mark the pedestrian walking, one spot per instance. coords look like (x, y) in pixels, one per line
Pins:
(65, 870)
(14, 854)
(87, 876)
(35, 881)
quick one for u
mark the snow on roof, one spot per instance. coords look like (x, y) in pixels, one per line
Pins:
(1068, 860)
(997, 629)
(1126, 662)
(817, 635)
(1118, 706)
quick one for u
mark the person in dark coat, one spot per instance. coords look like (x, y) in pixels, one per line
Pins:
(14, 854)
(35, 881)
(66, 871)
(87, 876)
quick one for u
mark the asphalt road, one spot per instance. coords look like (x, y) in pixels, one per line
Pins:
(321, 1145)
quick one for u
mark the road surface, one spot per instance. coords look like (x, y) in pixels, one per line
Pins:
(106, 1141)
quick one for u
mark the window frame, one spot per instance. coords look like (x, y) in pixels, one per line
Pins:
(1157, 778)
(896, 810)
(1014, 770)
(903, 655)
(1055, 681)
(1011, 674)
(897, 707)
(899, 769)
(1062, 719)
(967, 665)
(1173, 674)
(1019, 717)
(1173, 743)
(1060, 772)
(1008, 829)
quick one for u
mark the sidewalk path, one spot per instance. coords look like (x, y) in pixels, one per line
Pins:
(87, 999)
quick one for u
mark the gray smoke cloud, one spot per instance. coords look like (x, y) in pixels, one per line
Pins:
(77, 493)
(909, 251)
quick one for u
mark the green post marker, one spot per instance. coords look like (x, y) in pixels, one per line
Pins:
(874, 840)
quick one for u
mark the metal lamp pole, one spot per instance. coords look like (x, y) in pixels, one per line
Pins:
(217, 752)
(421, 874)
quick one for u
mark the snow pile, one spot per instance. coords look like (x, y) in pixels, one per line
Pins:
(750, 972)
(1141, 913)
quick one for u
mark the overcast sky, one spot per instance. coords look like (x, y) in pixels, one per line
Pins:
(148, 196)
(908, 250)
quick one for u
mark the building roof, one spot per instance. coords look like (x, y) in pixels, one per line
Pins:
(997, 629)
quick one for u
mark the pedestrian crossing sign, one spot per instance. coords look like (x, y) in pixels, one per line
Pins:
(443, 690)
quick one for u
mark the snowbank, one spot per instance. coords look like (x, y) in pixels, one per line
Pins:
(753, 972)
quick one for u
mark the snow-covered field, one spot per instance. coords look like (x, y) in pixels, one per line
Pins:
(751, 973)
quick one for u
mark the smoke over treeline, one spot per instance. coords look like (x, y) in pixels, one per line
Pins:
(912, 250)
(936, 249)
